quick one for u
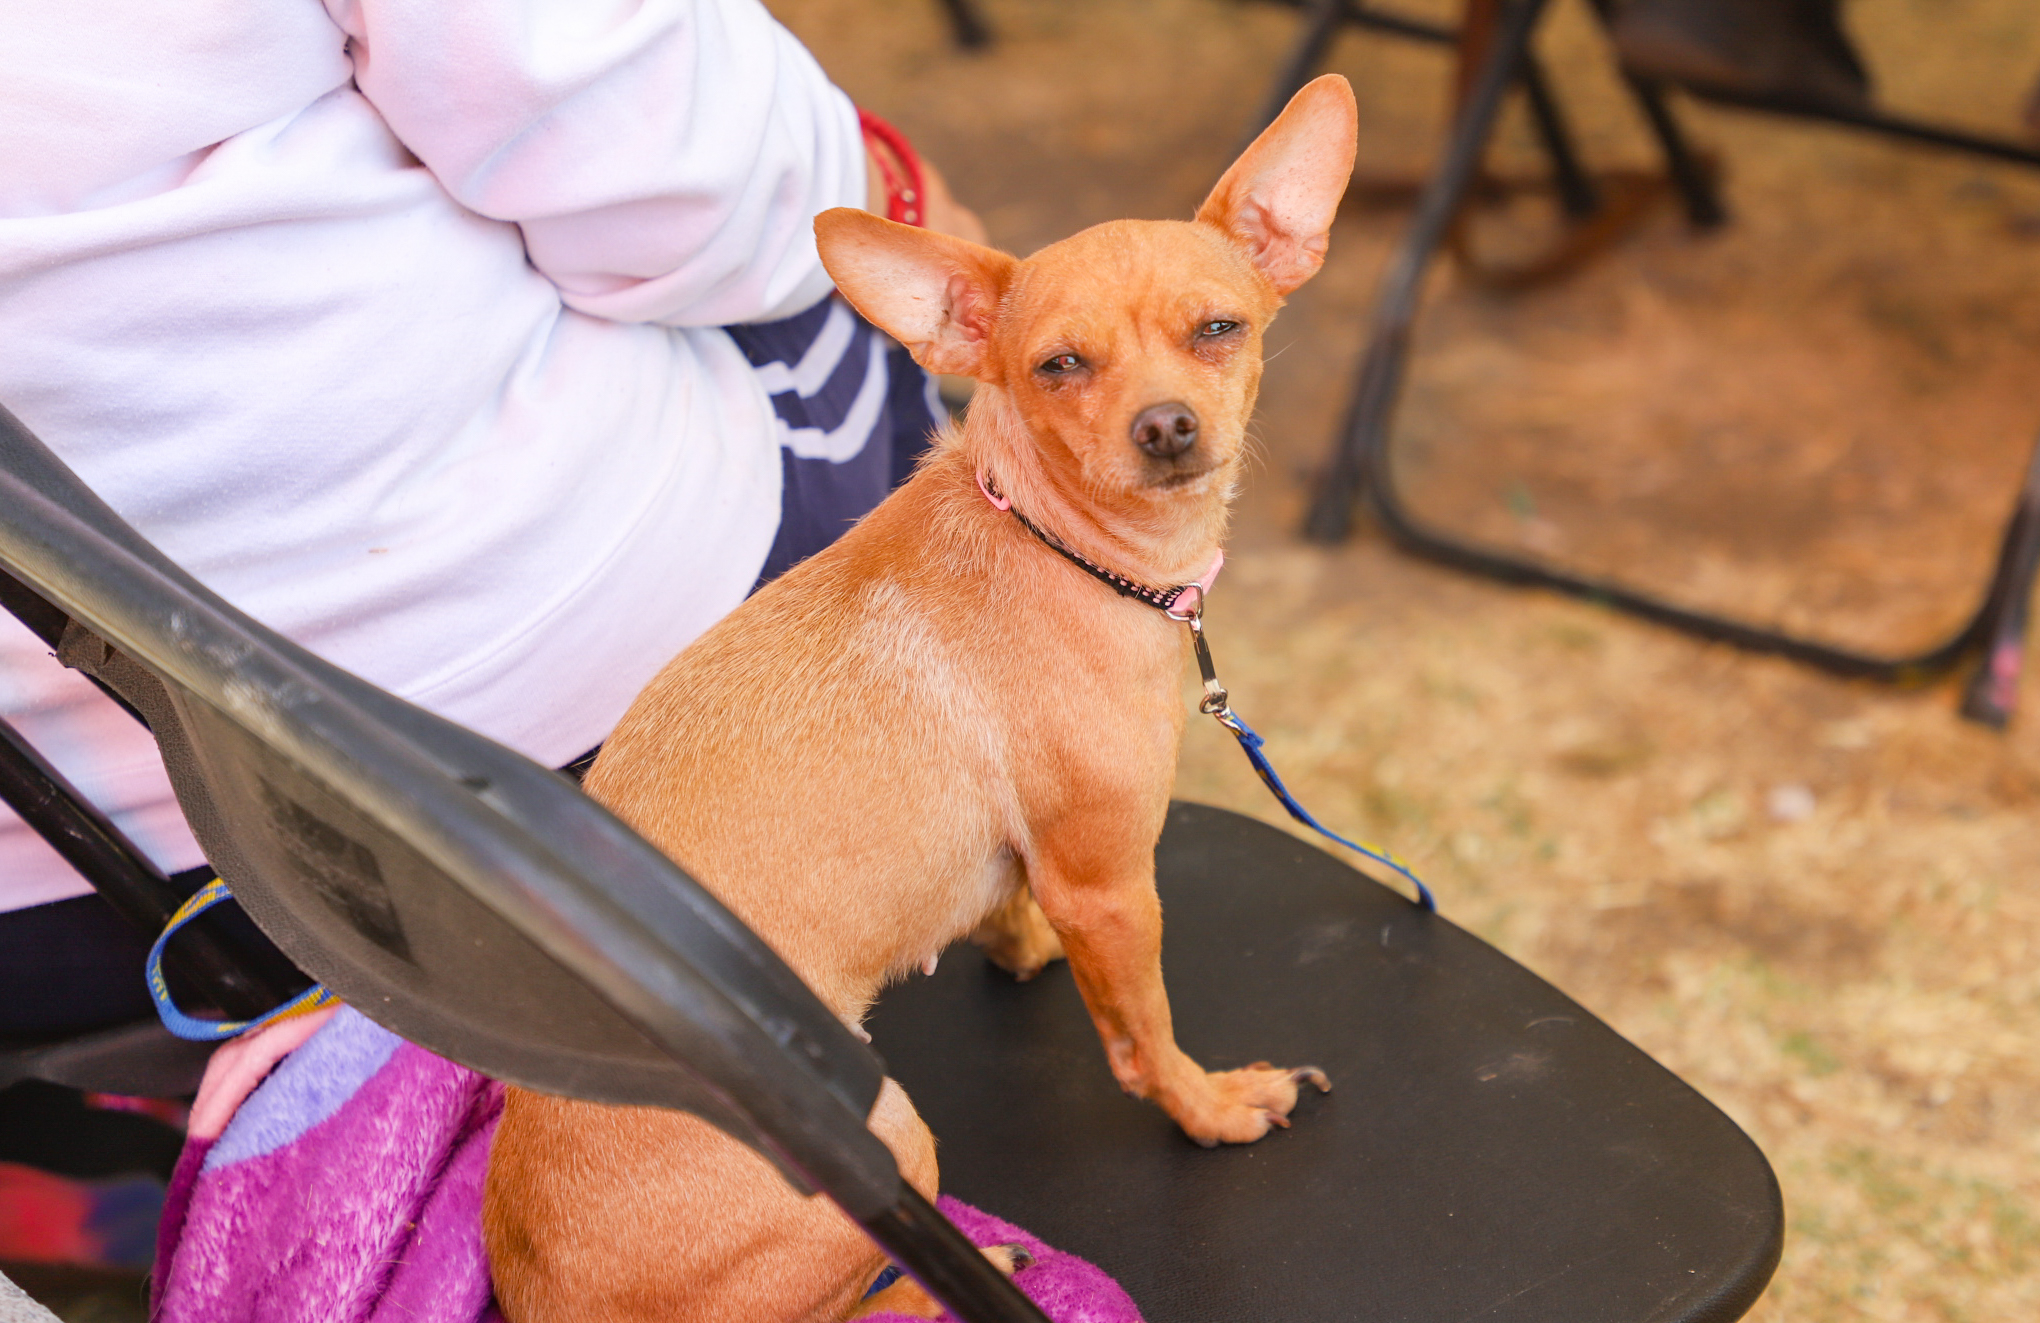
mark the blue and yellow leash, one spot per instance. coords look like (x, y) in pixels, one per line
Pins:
(212, 1031)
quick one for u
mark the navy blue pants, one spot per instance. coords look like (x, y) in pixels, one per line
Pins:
(855, 412)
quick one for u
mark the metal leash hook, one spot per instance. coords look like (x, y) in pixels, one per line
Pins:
(1216, 701)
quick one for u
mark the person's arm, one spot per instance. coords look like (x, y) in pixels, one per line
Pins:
(664, 159)
(940, 211)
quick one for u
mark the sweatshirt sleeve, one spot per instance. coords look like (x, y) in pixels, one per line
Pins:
(665, 159)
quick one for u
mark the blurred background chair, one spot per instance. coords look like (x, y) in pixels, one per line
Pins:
(1494, 53)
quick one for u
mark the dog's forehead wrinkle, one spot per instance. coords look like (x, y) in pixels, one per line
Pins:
(1131, 263)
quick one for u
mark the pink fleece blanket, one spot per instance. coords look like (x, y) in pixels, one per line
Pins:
(334, 1172)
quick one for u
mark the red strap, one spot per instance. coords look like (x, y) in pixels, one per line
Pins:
(905, 188)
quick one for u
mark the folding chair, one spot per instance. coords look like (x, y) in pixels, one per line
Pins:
(1496, 56)
(460, 895)
(1492, 1149)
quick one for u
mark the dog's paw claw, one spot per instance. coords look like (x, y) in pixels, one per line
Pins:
(1009, 1258)
(1240, 1106)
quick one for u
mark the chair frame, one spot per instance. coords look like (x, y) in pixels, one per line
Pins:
(1361, 457)
(756, 1053)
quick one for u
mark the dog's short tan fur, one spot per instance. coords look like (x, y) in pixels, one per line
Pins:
(939, 728)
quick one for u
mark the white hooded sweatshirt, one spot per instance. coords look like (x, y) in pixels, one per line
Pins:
(392, 321)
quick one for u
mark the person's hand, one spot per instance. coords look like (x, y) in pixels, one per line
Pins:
(940, 210)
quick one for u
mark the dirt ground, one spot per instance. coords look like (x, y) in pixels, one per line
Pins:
(1814, 899)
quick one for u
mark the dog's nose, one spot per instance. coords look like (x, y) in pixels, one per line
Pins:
(1165, 430)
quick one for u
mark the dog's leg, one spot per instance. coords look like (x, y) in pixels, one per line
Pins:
(1096, 884)
(636, 1215)
(1017, 936)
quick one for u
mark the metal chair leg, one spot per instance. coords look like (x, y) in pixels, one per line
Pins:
(1324, 18)
(1704, 208)
(1902, 127)
(1993, 689)
(1322, 21)
(1362, 459)
(1998, 623)
(1576, 191)
(1381, 371)
(125, 877)
(972, 31)
(1694, 181)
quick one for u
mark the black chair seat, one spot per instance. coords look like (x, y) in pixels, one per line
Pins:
(458, 894)
(1491, 1151)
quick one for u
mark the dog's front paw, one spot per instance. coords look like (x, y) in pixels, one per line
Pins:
(1239, 1106)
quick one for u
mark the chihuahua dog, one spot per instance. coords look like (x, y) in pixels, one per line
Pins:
(945, 726)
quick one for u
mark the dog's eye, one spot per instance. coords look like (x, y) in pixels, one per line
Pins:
(1062, 363)
(1217, 328)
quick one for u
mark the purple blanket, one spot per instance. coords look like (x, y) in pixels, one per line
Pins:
(344, 1185)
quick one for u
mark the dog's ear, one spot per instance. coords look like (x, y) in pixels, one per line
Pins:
(1278, 199)
(934, 294)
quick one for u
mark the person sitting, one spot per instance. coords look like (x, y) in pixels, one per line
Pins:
(483, 349)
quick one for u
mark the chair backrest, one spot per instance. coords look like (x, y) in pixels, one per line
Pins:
(464, 897)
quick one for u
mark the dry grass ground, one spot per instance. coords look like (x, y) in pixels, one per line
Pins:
(1819, 901)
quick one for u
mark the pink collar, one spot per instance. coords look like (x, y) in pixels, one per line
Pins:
(1164, 600)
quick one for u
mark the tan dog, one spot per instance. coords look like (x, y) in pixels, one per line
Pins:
(941, 727)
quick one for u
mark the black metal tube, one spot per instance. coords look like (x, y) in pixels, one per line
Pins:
(1331, 512)
(1413, 536)
(124, 876)
(1321, 24)
(965, 20)
(1704, 209)
(1330, 517)
(1402, 26)
(43, 620)
(1576, 192)
(942, 1259)
(1445, 192)
(1875, 121)
(1993, 691)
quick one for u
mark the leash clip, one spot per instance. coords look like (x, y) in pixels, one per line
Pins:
(1216, 702)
